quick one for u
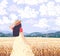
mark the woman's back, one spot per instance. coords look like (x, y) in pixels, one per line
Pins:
(16, 30)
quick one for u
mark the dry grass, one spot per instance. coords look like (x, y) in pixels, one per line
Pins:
(40, 46)
(46, 51)
(45, 46)
(5, 51)
(6, 46)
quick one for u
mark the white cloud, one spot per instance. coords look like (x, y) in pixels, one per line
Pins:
(5, 20)
(2, 11)
(15, 0)
(4, 28)
(50, 9)
(57, 21)
(43, 10)
(57, 0)
(29, 2)
(43, 23)
(13, 17)
(42, 1)
(30, 21)
(56, 28)
(20, 1)
(57, 10)
(13, 8)
(1, 22)
(28, 13)
(3, 5)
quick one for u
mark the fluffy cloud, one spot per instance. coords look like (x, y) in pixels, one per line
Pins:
(13, 8)
(56, 28)
(42, 1)
(57, 9)
(1, 22)
(4, 20)
(43, 10)
(4, 28)
(57, 0)
(13, 17)
(29, 2)
(2, 11)
(7, 20)
(43, 23)
(57, 21)
(3, 5)
(31, 21)
(50, 9)
(28, 13)
(49, 24)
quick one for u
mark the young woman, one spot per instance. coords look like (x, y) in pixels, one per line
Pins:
(20, 47)
(16, 27)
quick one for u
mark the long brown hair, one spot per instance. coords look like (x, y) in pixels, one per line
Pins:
(17, 22)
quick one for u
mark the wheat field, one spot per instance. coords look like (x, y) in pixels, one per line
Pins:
(40, 46)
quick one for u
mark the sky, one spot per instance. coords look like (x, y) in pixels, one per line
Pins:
(36, 15)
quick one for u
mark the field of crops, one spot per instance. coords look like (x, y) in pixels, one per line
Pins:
(40, 46)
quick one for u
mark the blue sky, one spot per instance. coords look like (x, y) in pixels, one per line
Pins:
(36, 15)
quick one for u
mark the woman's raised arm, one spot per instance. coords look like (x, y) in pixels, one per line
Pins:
(12, 26)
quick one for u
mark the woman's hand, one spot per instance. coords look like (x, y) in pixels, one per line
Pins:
(12, 26)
